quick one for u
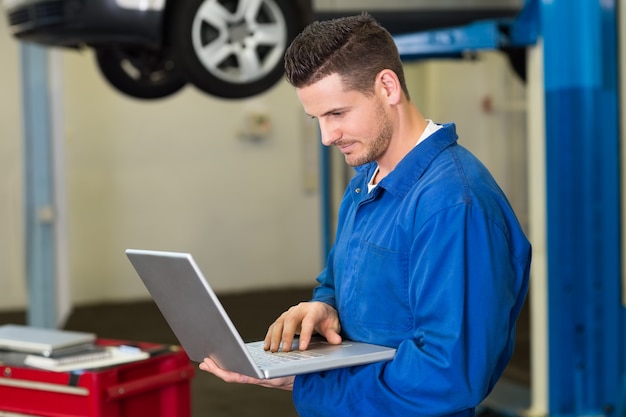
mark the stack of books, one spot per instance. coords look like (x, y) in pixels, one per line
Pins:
(62, 350)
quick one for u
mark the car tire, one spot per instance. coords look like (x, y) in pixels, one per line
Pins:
(140, 72)
(230, 52)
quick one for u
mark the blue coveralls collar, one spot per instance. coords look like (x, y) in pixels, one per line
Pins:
(410, 168)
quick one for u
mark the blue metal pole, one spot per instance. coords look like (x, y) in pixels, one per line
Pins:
(326, 201)
(38, 193)
(583, 209)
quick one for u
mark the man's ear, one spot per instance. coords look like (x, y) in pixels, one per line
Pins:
(389, 84)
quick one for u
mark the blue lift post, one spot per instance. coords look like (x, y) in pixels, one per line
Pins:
(326, 190)
(39, 190)
(586, 317)
(586, 328)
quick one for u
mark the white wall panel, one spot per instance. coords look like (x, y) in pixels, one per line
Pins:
(175, 175)
(170, 174)
(12, 287)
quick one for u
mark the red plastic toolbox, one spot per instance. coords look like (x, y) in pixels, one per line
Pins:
(157, 386)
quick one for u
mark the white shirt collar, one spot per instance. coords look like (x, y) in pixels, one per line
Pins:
(431, 128)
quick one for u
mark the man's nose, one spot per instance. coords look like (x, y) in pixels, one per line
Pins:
(330, 134)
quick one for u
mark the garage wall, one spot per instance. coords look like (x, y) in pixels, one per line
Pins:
(13, 287)
(173, 174)
(177, 175)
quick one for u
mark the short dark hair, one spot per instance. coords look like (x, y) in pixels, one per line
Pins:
(355, 47)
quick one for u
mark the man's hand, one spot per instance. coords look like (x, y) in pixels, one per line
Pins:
(210, 366)
(303, 319)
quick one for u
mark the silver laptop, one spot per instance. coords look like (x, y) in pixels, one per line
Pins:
(204, 329)
(42, 341)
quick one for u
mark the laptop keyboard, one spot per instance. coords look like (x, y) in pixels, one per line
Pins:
(265, 358)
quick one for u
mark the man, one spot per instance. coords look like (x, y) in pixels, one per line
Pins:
(429, 257)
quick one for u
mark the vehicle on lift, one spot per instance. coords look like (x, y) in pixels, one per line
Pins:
(227, 48)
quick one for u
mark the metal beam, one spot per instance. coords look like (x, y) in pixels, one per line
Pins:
(39, 188)
(478, 36)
